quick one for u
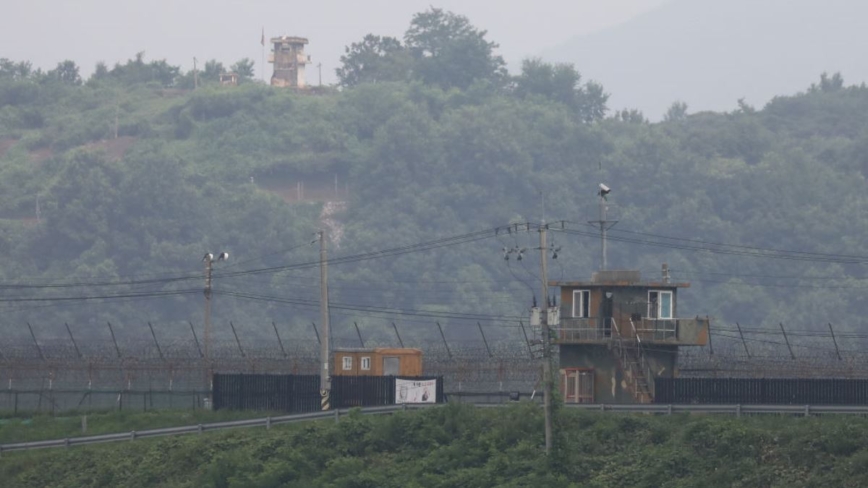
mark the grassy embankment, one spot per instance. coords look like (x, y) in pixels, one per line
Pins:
(460, 446)
(26, 428)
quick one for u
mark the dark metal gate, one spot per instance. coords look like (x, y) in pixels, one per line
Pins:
(769, 391)
(300, 393)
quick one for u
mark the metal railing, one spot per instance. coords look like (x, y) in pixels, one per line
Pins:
(627, 363)
(656, 329)
(644, 367)
(737, 410)
(588, 329)
(598, 329)
(267, 422)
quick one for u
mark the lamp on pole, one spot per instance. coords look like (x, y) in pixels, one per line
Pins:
(209, 261)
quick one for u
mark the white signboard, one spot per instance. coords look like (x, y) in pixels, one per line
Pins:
(415, 391)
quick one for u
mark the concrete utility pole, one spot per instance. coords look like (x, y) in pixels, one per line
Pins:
(209, 266)
(209, 261)
(324, 379)
(546, 337)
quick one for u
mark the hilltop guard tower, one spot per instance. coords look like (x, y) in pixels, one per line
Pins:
(289, 61)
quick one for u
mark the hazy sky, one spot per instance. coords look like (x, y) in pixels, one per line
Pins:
(711, 53)
(87, 31)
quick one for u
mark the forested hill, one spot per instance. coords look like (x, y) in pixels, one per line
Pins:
(123, 181)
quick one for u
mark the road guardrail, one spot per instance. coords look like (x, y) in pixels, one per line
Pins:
(267, 422)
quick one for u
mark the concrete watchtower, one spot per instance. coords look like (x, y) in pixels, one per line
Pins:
(289, 61)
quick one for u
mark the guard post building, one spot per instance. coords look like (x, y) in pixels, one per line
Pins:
(618, 333)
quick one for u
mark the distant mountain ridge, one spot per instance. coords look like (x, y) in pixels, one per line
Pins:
(712, 53)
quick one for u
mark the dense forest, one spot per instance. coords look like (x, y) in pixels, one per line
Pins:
(464, 446)
(114, 186)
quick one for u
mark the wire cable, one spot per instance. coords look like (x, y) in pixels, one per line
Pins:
(372, 308)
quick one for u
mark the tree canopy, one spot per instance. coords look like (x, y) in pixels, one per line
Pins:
(374, 59)
(561, 83)
(440, 48)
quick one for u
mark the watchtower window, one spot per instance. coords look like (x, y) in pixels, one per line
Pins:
(348, 363)
(660, 304)
(581, 303)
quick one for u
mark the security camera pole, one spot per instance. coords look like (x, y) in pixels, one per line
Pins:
(604, 222)
(209, 264)
(324, 380)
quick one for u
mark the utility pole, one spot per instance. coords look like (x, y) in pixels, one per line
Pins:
(209, 266)
(195, 75)
(324, 380)
(319, 68)
(546, 337)
(209, 261)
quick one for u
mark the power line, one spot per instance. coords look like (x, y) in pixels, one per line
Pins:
(418, 247)
(373, 308)
(765, 276)
(30, 286)
(782, 285)
(412, 248)
(754, 248)
(257, 258)
(721, 248)
(99, 297)
(364, 287)
(10, 308)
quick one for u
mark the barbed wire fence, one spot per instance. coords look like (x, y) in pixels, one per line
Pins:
(62, 370)
(778, 351)
(56, 372)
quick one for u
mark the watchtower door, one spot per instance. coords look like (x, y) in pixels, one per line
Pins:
(577, 385)
(606, 311)
(391, 366)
